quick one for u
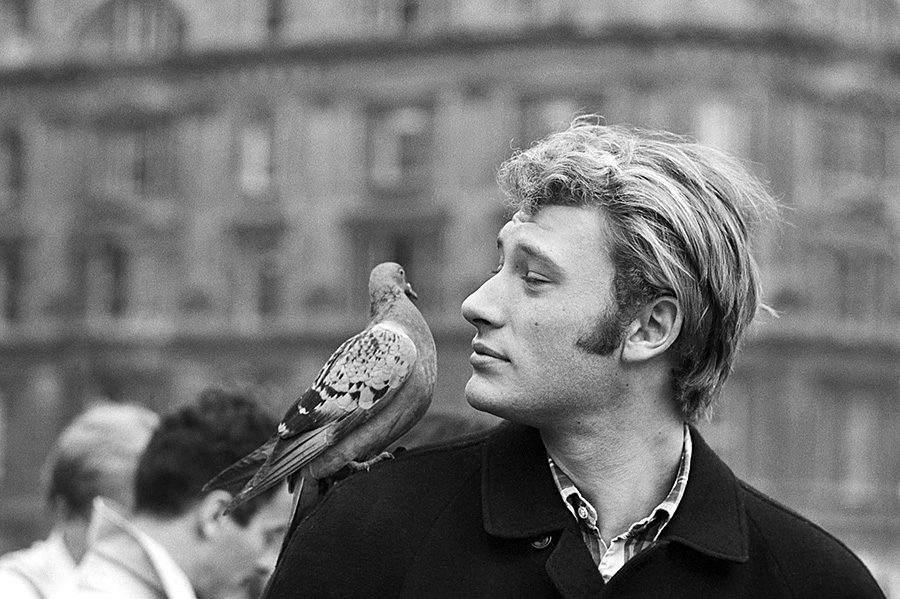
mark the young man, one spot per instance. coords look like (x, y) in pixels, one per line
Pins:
(178, 545)
(94, 456)
(625, 282)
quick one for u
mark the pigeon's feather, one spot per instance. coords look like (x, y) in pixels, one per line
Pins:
(364, 371)
(370, 391)
(233, 478)
(358, 374)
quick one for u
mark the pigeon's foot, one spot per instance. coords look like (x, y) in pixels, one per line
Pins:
(357, 466)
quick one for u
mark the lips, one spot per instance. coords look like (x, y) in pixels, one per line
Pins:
(483, 350)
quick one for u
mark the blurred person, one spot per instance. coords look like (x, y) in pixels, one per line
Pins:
(624, 286)
(94, 456)
(178, 544)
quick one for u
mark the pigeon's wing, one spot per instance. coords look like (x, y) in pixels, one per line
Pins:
(362, 374)
(363, 371)
(233, 478)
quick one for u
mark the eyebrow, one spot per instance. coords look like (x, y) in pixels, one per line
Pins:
(535, 253)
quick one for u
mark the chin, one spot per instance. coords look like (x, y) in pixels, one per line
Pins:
(478, 396)
(483, 398)
(503, 404)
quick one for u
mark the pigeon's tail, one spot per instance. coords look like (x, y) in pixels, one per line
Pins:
(233, 478)
(285, 458)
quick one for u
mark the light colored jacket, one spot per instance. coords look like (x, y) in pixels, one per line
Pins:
(123, 562)
(41, 571)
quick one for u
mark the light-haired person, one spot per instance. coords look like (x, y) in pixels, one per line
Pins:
(95, 455)
(624, 285)
(178, 544)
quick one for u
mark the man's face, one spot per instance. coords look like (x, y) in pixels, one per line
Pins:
(553, 288)
(247, 554)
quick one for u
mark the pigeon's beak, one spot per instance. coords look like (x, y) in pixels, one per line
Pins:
(410, 293)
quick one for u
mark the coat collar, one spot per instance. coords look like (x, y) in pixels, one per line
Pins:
(711, 517)
(520, 500)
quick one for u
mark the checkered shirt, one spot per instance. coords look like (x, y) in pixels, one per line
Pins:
(611, 556)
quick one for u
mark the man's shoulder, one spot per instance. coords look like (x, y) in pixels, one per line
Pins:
(805, 553)
(430, 469)
(37, 570)
(381, 518)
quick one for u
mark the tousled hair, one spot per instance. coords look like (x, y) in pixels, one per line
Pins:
(96, 455)
(193, 444)
(678, 218)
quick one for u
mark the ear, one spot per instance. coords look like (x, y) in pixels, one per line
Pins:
(209, 513)
(654, 330)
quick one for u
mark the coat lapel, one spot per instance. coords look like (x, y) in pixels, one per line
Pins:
(521, 501)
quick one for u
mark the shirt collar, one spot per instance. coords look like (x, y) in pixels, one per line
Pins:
(107, 521)
(520, 499)
(582, 509)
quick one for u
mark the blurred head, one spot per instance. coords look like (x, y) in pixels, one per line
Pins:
(96, 455)
(677, 217)
(190, 446)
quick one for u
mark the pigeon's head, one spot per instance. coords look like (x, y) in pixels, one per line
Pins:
(389, 277)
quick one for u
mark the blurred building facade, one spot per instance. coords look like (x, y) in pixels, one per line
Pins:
(192, 193)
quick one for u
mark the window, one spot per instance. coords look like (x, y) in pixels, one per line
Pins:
(11, 282)
(860, 450)
(400, 147)
(852, 144)
(256, 164)
(14, 17)
(12, 169)
(105, 280)
(409, 13)
(256, 273)
(393, 16)
(135, 162)
(256, 285)
(4, 439)
(874, 146)
(413, 241)
(268, 294)
(133, 27)
(275, 17)
(862, 265)
(854, 432)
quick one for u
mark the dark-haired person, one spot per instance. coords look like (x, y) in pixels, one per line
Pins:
(178, 544)
(95, 455)
(624, 285)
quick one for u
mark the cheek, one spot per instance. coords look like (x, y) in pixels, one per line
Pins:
(242, 552)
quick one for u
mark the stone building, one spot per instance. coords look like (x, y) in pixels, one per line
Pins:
(192, 193)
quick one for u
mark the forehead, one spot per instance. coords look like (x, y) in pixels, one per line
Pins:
(556, 229)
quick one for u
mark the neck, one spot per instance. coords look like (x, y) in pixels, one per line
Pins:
(623, 467)
(382, 300)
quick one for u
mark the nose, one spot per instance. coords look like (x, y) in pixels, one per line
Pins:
(482, 307)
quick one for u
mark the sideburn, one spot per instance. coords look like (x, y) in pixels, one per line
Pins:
(606, 335)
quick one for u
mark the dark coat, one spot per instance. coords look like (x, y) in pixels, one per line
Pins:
(483, 518)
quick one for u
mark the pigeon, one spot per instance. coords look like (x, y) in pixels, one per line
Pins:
(372, 390)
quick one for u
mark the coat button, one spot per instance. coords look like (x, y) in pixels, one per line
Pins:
(542, 542)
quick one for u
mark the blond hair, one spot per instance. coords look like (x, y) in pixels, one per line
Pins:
(96, 455)
(679, 219)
